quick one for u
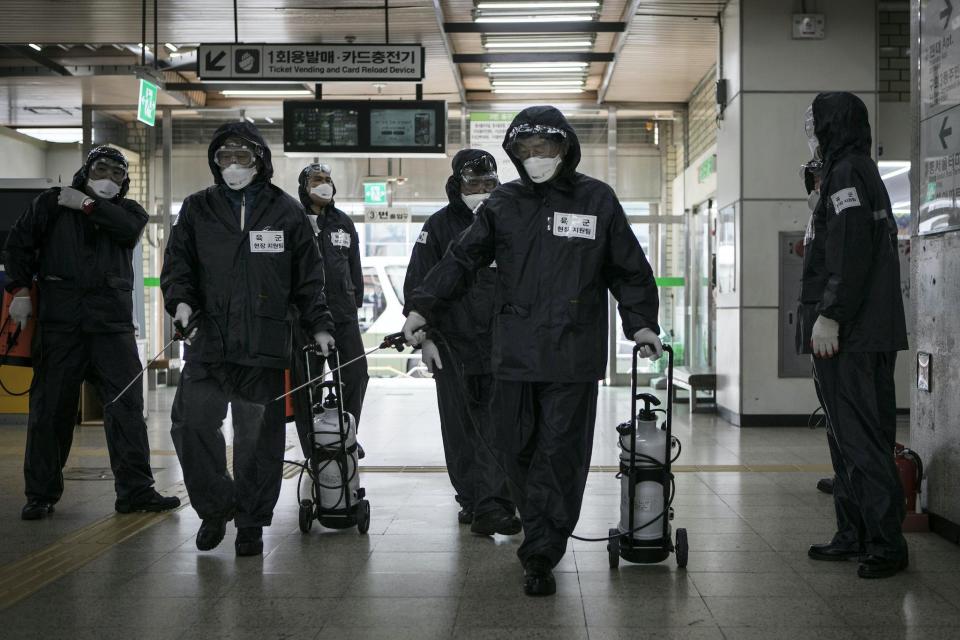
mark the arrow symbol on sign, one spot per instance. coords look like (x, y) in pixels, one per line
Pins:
(945, 132)
(213, 64)
(946, 13)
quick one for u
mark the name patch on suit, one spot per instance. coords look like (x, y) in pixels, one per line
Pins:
(423, 237)
(573, 225)
(340, 239)
(844, 199)
(266, 241)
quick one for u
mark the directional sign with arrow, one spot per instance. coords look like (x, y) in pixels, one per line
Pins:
(213, 61)
(945, 132)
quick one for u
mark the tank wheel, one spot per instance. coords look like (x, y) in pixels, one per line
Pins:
(306, 515)
(363, 516)
(613, 548)
(682, 547)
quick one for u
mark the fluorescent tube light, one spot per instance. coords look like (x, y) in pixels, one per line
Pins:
(264, 93)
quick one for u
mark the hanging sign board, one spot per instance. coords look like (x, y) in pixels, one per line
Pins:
(312, 62)
(387, 214)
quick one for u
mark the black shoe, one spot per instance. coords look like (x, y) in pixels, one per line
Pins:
(538, 577)
(211, 533)
(465, 516)
(834, 552)
(36, 510)
(880, 567)
(825, 485)
(493, 522)
(152, 502)
(249, 541)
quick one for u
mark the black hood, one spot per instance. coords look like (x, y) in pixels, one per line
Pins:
(453, 182)
(549, 116)
(80, 177)
(251, 134)
(305, 193)
(842, 126)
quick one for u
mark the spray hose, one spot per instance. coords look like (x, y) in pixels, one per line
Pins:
(11, 342)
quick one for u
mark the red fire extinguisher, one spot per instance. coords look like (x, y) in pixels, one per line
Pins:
(910, 469)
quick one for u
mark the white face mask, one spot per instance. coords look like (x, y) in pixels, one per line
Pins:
(541, 169)
(323, 191)
(238, 177)
(474, 200)
(105, 188)
(813, 200)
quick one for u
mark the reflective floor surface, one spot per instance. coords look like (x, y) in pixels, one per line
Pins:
(746, 496)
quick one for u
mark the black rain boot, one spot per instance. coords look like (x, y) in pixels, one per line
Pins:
(211, 533)
(538, 577)
(493, 522)
(249, 541)
(36, 510)
(465, 516)
(153, 502)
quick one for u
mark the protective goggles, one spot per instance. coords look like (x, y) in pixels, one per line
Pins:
(239, 155)
(542, 141)
(809, 172)
(104, 168)
(312, 170)
(480, 173)
(809, 126)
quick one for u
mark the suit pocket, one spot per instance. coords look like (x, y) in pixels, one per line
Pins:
(270, 329)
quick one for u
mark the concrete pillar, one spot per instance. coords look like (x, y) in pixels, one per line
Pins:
(771, 79)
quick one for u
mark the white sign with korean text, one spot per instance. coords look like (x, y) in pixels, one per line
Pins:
(312, 62)
(387, 214)
(266, 241)
(572, 225)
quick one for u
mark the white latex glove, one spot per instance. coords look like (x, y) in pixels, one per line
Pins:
(649, 342)
(410, 333)
(431, 356)
(71, 198)
(182, 318)
(21, 308)
(325, 341)
(825, 339)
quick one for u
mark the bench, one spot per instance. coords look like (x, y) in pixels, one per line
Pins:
(696, 382)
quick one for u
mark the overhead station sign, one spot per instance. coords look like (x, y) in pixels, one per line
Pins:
(312, 62)
(939, 206)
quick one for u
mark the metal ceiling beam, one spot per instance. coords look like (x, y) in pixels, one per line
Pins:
(534, 27)
(438, 12)
(39, 58)
(539, 56)
(618, 45)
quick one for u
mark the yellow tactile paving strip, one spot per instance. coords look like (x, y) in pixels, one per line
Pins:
(26, 576)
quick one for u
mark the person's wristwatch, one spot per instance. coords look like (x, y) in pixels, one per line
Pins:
(87, 205)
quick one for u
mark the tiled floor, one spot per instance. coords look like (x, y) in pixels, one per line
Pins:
(419, 575)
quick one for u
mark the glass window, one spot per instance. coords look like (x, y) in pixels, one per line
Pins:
(397, 273)
(374, 300)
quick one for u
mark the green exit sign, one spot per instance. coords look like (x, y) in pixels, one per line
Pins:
(707, 169)
(374, 193)
(147, 107)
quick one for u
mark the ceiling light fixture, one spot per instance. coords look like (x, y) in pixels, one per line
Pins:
(264, 93)
(35, 47)
(537, 90)
(538, 44)
(525, 17)
(575, 4)
(54, 134)
(269, 119)
(534, 66)
(535, 70)
(172, 47)
(537, 83)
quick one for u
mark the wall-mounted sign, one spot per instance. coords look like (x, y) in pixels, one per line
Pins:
(364, 126)
(374, 194)
(312, 62)
(387, 214)
(147, 105)
(487, 130)
(707, 168)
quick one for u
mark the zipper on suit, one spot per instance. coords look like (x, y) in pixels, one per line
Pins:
(243, 209)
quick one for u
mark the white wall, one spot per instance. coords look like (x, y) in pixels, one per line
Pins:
(21, 156)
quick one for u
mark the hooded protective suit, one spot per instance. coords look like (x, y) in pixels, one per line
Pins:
(463, 333)
(241, 279)
(83, 267)
(851, 274)
(339, 247)
(559, 247)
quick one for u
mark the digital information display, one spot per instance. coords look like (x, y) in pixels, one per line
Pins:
(364, 127)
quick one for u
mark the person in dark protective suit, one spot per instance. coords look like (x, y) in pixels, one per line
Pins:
(560, 240)
(340, 249)
(240, 254)
(458, 354)
(852, 321)
(77, 244)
